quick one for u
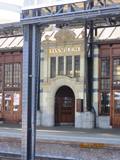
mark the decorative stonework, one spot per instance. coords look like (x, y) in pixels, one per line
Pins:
(64, 35)
(62, 42)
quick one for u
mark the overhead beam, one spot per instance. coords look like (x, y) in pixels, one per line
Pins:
(80, 16)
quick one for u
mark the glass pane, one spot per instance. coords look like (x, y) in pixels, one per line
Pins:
(1, 76)
(69, 66)
(105, 103)
(105, 84)
(60, 65)
(53, 67)
(77, 66)
(105, 67)
(1, 102)
(117, 101)
(116, 72)
(8, 75)
(67, 102)
(16, 102)
(17, 75)
(8, 101)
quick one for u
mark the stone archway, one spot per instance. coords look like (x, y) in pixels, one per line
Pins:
(64, 106)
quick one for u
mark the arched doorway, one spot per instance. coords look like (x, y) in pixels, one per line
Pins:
(64, 106)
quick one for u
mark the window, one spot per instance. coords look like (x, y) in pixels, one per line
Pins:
(105, 103)
(117, 101)
(53, 67)
(1, 76)
(77, 66)
(1, 101)
(105, 67)
(60, 65)
(17, 75)
(105, 86)
(69, 66)
(116, 72)
(16, 102)
(8, 101)
(8, 75)
(13, 75)
(67, 102)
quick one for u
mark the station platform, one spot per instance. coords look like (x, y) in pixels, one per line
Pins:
(66, 133)
(66, 143)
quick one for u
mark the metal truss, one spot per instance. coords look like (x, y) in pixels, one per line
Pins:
(89, 33)
(75, 13)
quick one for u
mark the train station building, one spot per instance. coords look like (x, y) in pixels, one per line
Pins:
(60, 66)
(63, 77)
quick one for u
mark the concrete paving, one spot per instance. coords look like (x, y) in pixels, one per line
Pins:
(80, 135)
(67, 134)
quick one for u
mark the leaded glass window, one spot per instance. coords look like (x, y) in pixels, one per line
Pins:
(105, 102)
(8, 75)
(1, 76)
(69, 65)
(17, 75)
(53, 67)
(12, 75)
(116, 72)
(77, 66)
(105, 86)
(60, 65)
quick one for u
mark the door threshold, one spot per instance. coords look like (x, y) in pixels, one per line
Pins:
(66, 124)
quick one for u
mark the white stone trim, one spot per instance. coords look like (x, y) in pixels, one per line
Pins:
(49, 91)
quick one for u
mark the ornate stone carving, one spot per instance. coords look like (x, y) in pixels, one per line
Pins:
(64, 35)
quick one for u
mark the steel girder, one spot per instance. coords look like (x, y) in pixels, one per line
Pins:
(74, 13)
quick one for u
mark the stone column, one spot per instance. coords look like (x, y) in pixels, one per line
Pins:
(95, 79)
(48, 108)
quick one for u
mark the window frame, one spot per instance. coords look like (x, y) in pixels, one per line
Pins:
(78, 67)
(104, 89)
(52, 75)
(61, 65)
(69, 66)
(13, 75)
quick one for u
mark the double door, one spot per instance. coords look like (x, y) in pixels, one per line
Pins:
(115, 109)
(115, 91)
(11, 107)
(109, 83)
(64, 111)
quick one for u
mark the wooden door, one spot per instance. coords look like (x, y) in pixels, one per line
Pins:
(116, 109)
(65, 111)
(12, 107)
(115, 91)
(1, 105)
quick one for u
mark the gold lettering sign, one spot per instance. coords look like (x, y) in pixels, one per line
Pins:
(64, 50)
(93, 145)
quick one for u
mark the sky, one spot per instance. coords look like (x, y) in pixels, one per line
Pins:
(10, 10)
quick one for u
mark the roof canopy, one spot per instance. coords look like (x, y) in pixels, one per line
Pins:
(30, 4)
